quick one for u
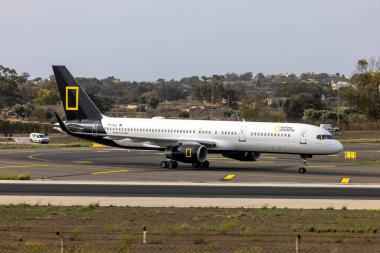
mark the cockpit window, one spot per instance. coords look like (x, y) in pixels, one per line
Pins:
(325, 137)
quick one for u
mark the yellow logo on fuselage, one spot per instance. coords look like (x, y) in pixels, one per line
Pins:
(74, 89)
(277, 129)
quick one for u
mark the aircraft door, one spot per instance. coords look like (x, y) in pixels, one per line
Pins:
(303, 138)
(242, 134)
(95, 127)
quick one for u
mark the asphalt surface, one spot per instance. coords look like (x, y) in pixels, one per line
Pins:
(110, 164)
(184, 191)
(119, 165)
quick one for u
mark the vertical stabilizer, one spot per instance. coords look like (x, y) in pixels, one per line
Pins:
(76, 103)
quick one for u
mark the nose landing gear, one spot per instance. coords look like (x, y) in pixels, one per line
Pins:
(302, 169)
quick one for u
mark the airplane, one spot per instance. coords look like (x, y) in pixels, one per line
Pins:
(188, 141)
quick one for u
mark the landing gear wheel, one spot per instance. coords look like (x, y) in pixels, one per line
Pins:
(174, 164)
(164, 164)
(301, 170)
(205, 164)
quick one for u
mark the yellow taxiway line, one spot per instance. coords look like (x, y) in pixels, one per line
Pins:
(83, 162)
(108, 171)
(23, 166)
(39, 159)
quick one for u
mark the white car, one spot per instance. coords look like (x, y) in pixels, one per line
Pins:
(329, 127)
(39, 138)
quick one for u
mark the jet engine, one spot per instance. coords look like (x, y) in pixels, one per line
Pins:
(244, 156)
(187, 153)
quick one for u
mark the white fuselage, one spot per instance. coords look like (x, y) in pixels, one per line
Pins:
(292, 138)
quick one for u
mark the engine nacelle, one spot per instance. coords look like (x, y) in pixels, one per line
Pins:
(244, 156)
(187, 153)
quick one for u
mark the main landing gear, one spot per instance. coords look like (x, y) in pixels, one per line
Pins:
(169, 164)
(204, 164)
(302, 169)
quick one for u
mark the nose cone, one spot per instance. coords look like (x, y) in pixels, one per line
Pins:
(338, 147)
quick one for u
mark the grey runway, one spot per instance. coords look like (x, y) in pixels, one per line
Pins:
(196, 191)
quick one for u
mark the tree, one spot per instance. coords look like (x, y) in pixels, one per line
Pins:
(104, 103)
(259, 78)
(153, 103)
(294, 88)
(231, 96)
(170, 92)
(47, 97)
(140, 108)
(294, 106)
(366, 97)
(232, 77)
(9, 82)
(19, 109)
(246, 76)
(184, 114)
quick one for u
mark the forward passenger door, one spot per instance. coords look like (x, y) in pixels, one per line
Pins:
(242, 133)
(303, 138)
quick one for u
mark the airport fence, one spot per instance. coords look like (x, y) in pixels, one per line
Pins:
(77, 242)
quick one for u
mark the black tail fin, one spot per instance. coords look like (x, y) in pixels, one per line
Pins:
(76, 103)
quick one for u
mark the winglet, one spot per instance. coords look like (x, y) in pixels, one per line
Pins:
(61, 124)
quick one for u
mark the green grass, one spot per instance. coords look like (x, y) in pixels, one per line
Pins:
(226, 227)
(14, 176)
(179, 228)
(88, 228)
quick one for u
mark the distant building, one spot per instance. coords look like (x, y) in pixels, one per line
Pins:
(286, 74)
(275, 101)
(336, 85)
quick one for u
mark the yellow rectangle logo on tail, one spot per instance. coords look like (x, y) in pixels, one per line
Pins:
(72, 89)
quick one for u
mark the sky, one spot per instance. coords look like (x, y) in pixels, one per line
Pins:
(149, 39)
